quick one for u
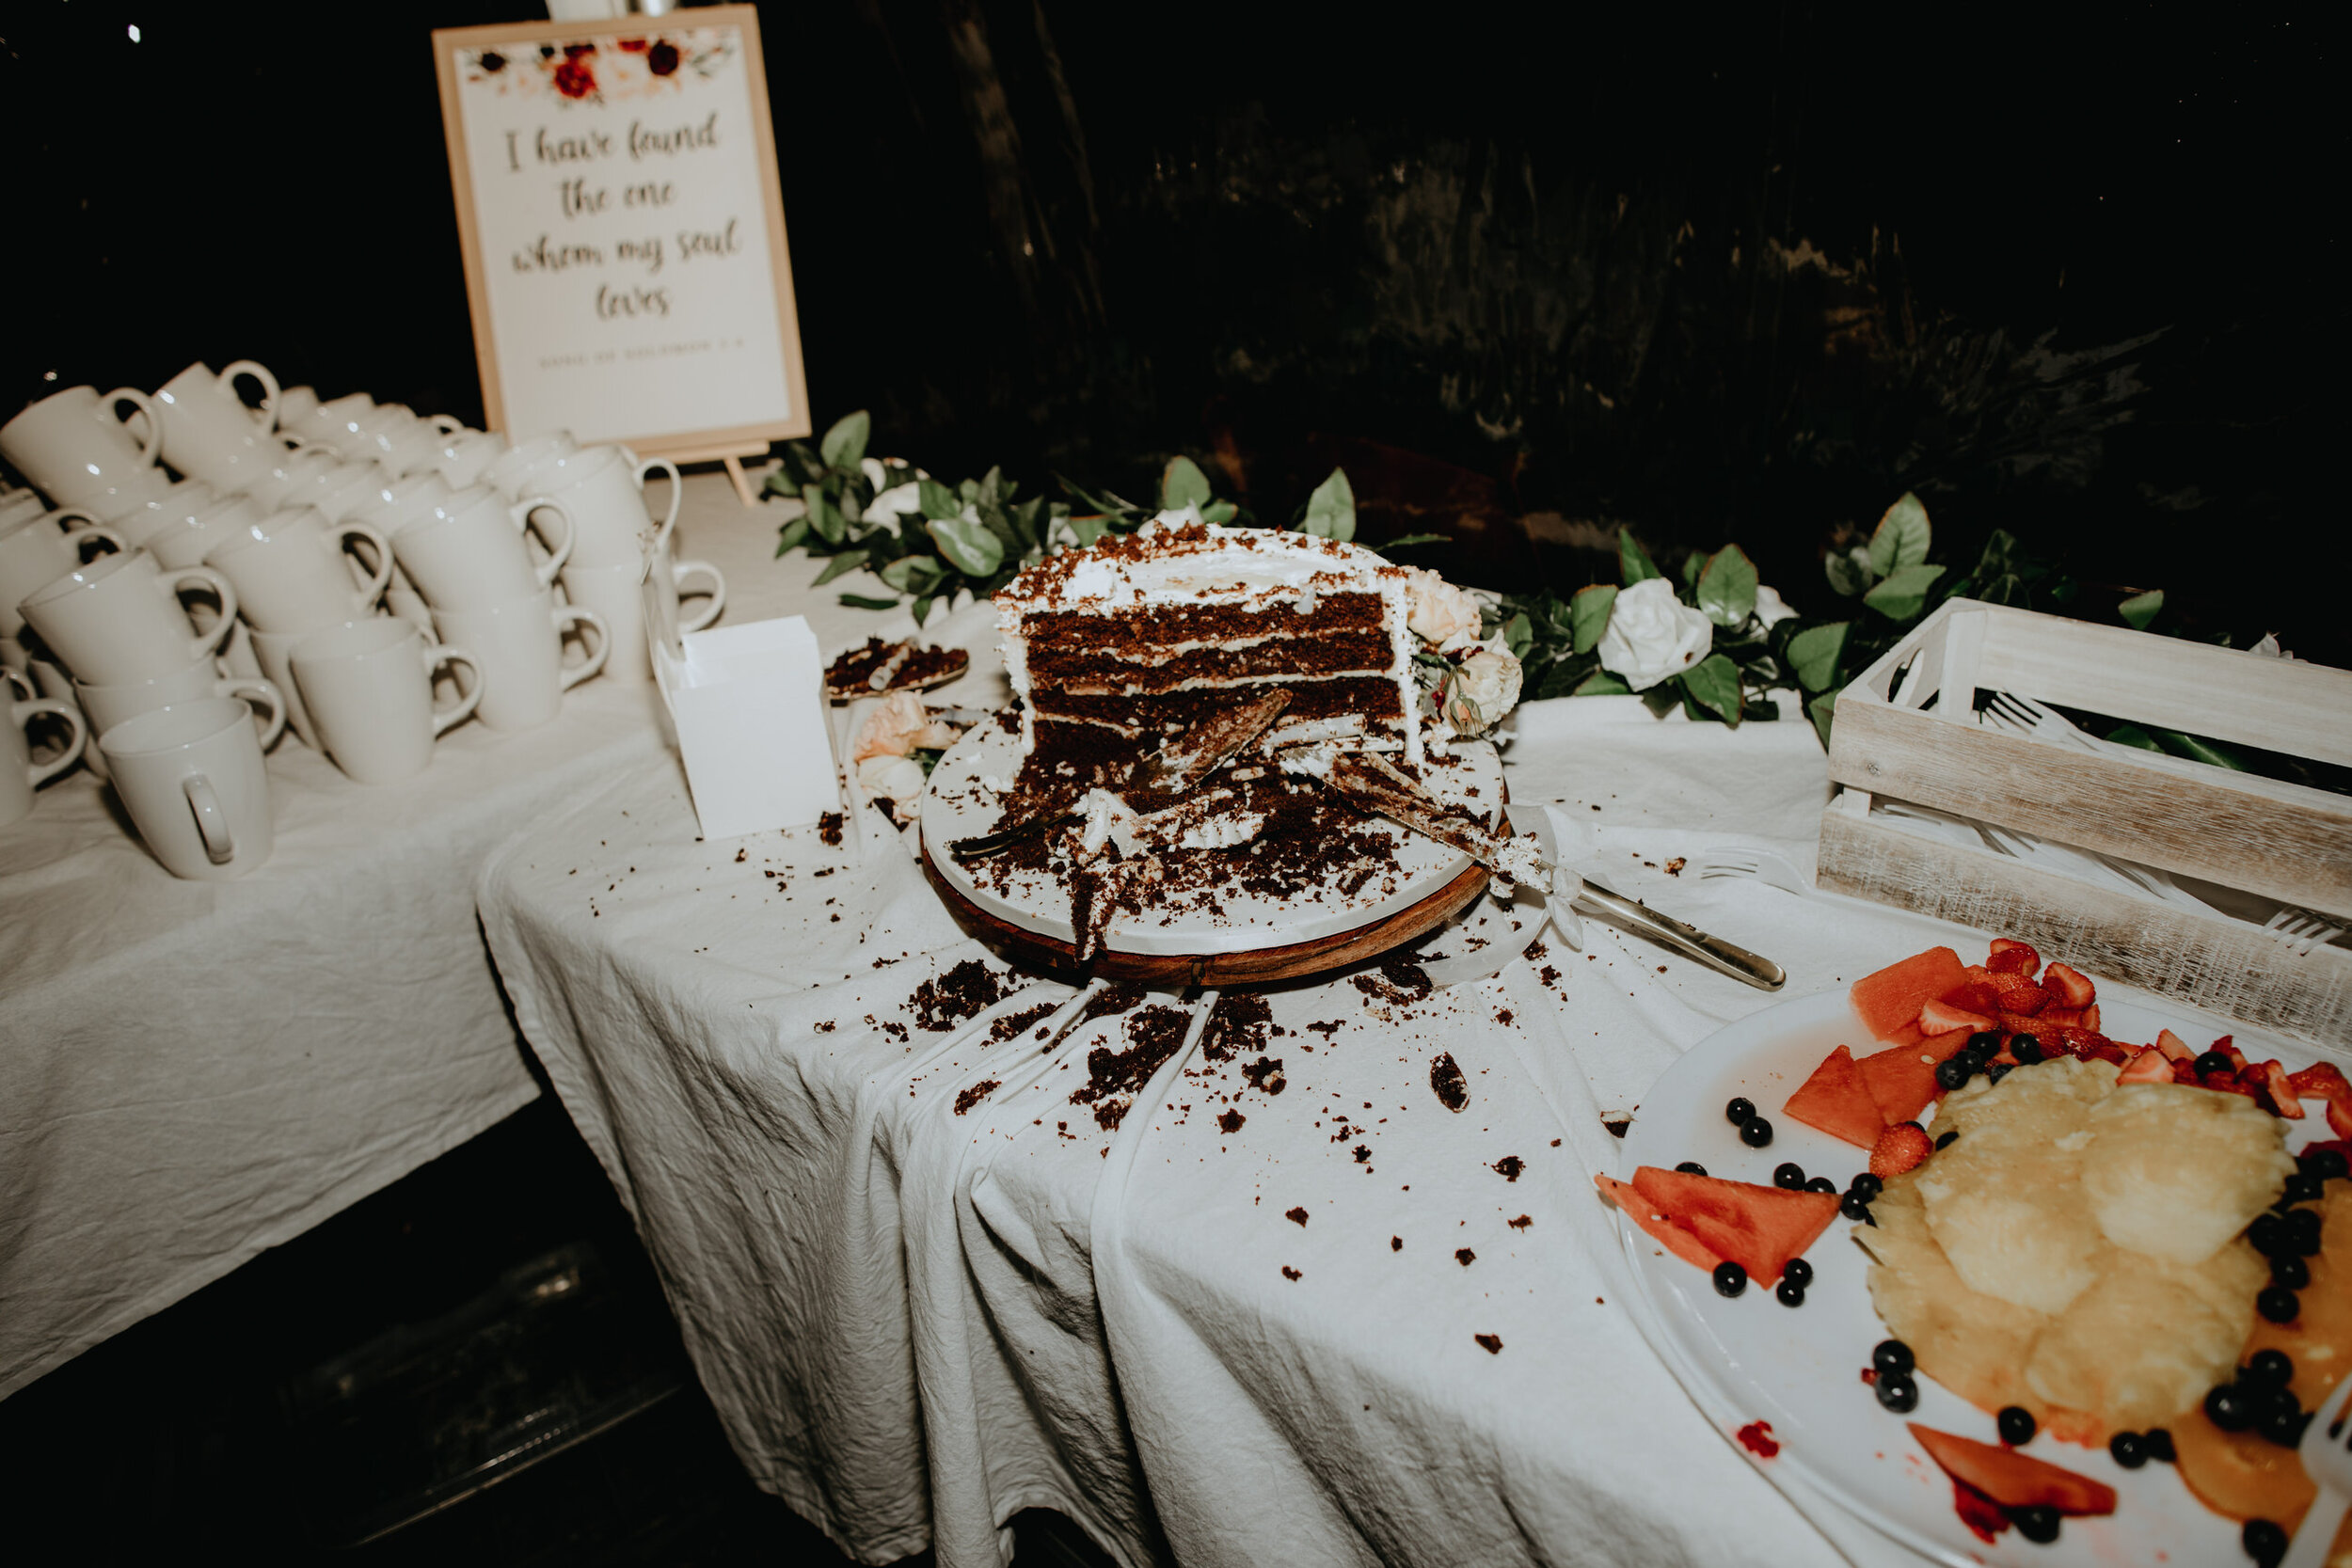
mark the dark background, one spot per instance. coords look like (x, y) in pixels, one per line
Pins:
(1528, 271)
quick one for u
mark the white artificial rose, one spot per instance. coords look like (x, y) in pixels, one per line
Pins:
(1440, 612)
(902, 500)
(898, 727)
(1481, 690)
(1653, 636)
(1770, 608)
(898, 780)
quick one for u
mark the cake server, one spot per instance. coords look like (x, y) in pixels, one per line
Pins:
(1377, 786)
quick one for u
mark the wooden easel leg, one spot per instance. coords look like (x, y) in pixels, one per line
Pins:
(742, 484)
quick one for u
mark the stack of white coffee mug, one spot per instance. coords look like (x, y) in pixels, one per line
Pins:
(297, 518)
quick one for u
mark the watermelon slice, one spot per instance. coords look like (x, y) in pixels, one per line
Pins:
(1886, 1001)
(1902, 1078)
(2011, 1478)
(1758, 1227)
(1671, 1236)
(1838, 1101)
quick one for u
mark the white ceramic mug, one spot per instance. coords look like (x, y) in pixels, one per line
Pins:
(415, 449)
(409, 497)
(209, 432)
(119, 619)
(518, 646)
(20, 775)
(185, 540)
(17, 505)
(336, 421)
(176, 504)
(635, 604)
(73, 445)
(606, 495)
(191, 777)
(350, 489)
(107, 705)
(35, 551)
(465, 454)
(511, 473)
(368, 687)
(291, 574)
(291, 474)
(295, 405)
(468, 550)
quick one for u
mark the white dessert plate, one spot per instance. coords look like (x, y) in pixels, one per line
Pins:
(957, 803)
(1800, 1369)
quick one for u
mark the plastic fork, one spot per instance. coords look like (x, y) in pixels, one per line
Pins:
(2301, 929)
(2326, 1456)
(1761, 865)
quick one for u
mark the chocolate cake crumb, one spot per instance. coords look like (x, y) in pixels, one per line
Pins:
(829, 828)
(1674, 866)
(1504, 1017)
(1494, 1341)
(1331, 1026)
(1298, 1215)
(974, 1095)
(1549, 975)
(1154, 1034)
(826, 1027)
(742, 855)
(1446, 1081)
(1400, 983)
(1616, 1126)
(940, 1003)
(1265, 1076)
(1230, 1122)
(895, 1030)
(1465, 1257)
(1535, 952)
(1242, 1021)
(1397, 1243)
(1012, 1023)
(1289, 1273)
(1363, 1155)
(1509, 1166)
(1522, 1223)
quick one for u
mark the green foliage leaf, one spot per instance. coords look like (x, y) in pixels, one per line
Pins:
(793, 534)
(2132, 734)
(1904, 592)
(1405, 541)
(840, 566)
(938, 502)
(1693, 564)
(1518, 635)
(1849, 572)
(1588, 615)
(2198, 749)
(2140, 608)
(862, 601)
(1332, 509)
(1813, 654)
(845, 443)
(1663, 698)
(1600, 683)
(922, 613)
(969, 548)
(1822, 710)
(1086, 530)
(1182, 483)
(1714, 683)
(1901, 538)
(914, 574)
(823, 516)
(1726, 588)
(1219, 512)
(1633, 562)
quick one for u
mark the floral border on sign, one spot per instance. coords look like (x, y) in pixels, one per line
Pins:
(601, 70)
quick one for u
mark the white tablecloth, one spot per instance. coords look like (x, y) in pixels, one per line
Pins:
(191, 1072)
(927, 1290)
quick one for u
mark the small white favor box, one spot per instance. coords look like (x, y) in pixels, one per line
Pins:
(748, 703)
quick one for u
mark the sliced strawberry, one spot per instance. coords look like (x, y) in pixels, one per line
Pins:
(2010, 957)
(2151, 1066)
(2073, 985)
(2090, 1018)
(1900, 1147)
(2050, 1018)
(1942, 1017)
(2019, 995)
(2174, 1046)
(2325, 1080)
(2224, 1045)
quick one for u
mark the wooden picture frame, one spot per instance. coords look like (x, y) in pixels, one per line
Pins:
(622, 226)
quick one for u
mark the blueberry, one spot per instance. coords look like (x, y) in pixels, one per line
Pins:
(2159, 1442)
(1898, 1392)
(2278, 1305)
(1820, 1184)
(2272, 1366)
(1788, 1176)
(1892, 1357)
(2230, 1407)
(2038, 1524)
(2026, 1049)
(1945, 1141)
(2264, 1541)
(1855, 1207)
(2289, 1272)
(1756, 1132)
(2213, 1061)
(2303, 1230)
(1953, 1071)
(1789, 1293)
(1730, 1280)
(1692, 1167)
(1739, 1111)
(1986, 1043)
(2327, 1164)
(2303, 1187)
(1799, 1271)
(1868, 1184)
(2017, 1425)
(2129, 1449)
(2268, 1234)
(1993, 1074)
(2283, 1423)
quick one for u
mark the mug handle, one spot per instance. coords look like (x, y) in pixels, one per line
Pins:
(677, 494)
(255, 689)
(67, 711)
(525, 514)
(188, 577)
(578, 615)
(445, 424)
(97, 533)
(154, 445)
(680, 571)
(22, 681)
(267, 415)
(380, 573)
(468, 692)
(212, 823)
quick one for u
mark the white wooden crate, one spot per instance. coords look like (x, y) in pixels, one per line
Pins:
(2264, 838)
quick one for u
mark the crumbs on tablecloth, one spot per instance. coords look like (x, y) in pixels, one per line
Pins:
(1156, 1033)
(829, 827)
(1230, 1122)
(1522, 1223)
(1548, 976)
(1674, 866)
(1504, 1017)
(742, 855)
(1493, 1343)
(942, 1003)
(1265, 1076)
(1363, 1155)
(1398, 982)
(1616, 1126)
(1509, 1166)
(1289, 1273)
(1446, 1081)
(1295, 1215)
(1397, 1243)
(1535, 952)
(826, 1027)
(974, 1095)
(1465, 1257)
(1240, 1021)
(1014, 1022)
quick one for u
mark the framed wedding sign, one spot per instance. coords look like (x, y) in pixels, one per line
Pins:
(623, 231)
